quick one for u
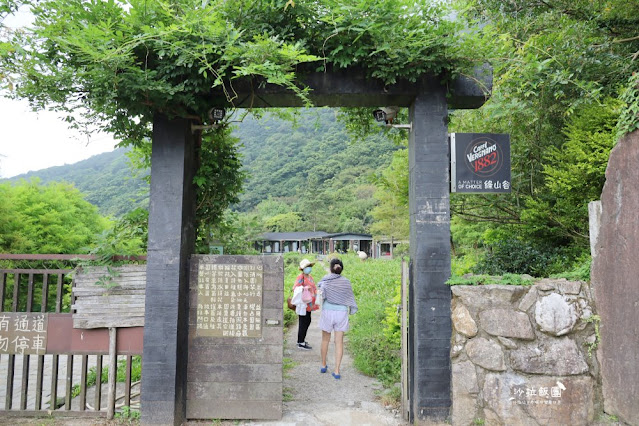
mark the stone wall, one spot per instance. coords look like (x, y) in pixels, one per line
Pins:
(520, 354)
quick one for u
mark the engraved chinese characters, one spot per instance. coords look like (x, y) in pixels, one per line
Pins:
(229, 300)
(23, 333)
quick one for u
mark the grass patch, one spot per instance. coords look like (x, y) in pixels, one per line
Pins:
(605, 418)
(287, 365)
(127, 415)
(287, 394)
(392, 397)
(92, 377)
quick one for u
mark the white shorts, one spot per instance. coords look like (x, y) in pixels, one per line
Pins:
(333, 320)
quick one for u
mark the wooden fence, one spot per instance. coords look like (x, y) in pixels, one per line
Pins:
(48, 367)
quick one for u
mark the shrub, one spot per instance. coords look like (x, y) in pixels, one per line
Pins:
(520, 257)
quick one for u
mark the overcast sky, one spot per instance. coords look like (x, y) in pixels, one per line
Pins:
(34, 141)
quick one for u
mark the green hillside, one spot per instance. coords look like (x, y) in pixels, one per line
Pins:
(307, 166)
(105, 179)
(313, 168)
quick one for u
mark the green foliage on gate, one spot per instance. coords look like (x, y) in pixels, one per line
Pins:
(114, 65)
(120, 64)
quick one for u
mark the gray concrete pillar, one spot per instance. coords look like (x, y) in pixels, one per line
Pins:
(429, 297)
(171, 242)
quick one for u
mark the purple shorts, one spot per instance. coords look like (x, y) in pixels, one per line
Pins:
(333, 320)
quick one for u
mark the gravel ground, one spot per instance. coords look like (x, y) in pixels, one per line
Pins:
(319, 399)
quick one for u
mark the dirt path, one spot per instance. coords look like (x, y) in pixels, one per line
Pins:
(315, 399)
(319, 399)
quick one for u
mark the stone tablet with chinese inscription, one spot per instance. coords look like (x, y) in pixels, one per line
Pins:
(235, 337)
(229, 300)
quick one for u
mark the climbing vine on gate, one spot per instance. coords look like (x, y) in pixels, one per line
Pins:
(114, 65)
(119, 63)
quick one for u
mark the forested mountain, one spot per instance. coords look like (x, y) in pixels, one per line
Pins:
(312, 168)
(105, 179)
(306, 169)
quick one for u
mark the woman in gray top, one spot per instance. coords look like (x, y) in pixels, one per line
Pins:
(338, 303)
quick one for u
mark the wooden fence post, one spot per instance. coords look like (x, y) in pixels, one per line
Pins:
(113, 369)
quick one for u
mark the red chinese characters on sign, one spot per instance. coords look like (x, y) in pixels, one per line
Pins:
(23, 333)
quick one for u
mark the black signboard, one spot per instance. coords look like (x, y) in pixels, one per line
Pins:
(480, 162)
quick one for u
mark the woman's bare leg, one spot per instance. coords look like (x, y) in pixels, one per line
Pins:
(339, 349)
(326, 339)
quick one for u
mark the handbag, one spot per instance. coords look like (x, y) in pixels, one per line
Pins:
(290, 305)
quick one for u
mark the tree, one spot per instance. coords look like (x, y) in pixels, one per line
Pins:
(575, 174)
(51, 218)
(119, 65)
(391, 214)
(237, 232)
(285, 222)
(557, 65)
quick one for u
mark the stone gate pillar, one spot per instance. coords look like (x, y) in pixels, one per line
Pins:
(171, 241)
(614, 281)
(429, 297)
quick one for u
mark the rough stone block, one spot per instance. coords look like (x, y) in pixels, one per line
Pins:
(498, 391)
(463, 321)
(506, 323)
(528, 300)
(614, 279)
(456, 350)
(546, 285)
(555, 315)
(488, 296)
(570, 287)
(518, 400)
(464, 378)
(556, 357)
(486, 354)
(508, 343)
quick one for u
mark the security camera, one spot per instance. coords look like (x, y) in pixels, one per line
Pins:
(386, 114)
(217, 114)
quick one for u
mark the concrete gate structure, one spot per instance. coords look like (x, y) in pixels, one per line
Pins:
(172, 231)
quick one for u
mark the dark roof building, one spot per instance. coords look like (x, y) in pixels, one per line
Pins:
(291, 236)
(318, 242)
